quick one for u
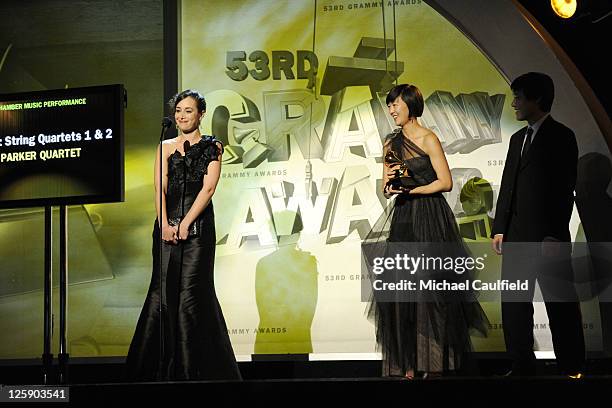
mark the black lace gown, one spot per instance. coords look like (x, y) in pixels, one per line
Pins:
(193, 333)
(433, 335)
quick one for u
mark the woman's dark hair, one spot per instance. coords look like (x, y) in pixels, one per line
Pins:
(199, 98)
(536, 85)
(411, 95)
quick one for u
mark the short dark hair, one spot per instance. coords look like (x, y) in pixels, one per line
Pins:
(536, 85)
(200, 101)
(411, 95)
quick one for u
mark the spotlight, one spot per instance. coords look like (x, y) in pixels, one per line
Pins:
(564, 8)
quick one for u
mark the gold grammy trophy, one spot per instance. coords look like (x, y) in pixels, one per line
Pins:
(402, 179)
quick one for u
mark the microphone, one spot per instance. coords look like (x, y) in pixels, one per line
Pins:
(166, 122)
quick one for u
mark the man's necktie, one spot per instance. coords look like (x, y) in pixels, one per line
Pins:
(527, 143)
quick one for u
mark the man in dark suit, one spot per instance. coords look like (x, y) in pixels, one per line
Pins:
(534, 206)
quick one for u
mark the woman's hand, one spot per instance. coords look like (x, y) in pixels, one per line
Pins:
(389, 191)
(183, 230)
(169, 234)
(392, 170)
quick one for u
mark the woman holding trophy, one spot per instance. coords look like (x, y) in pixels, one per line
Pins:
(429, 337)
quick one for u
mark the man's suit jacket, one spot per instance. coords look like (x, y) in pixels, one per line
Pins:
(543, 185)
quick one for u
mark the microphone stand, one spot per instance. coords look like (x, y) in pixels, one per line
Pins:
(166, 123)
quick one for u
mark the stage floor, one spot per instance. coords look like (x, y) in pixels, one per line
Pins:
(340, 382)
(339, 391)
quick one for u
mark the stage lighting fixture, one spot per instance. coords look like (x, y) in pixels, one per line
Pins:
(564, 8)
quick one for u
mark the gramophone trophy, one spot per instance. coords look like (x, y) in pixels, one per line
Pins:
(402, 179)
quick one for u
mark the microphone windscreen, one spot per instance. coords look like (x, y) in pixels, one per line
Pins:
(166, 122)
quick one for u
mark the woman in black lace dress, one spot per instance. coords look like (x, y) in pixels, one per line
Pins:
(428, 337)
(191, 340)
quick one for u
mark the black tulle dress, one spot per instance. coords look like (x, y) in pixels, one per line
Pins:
(196, 344)
(429, 336)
